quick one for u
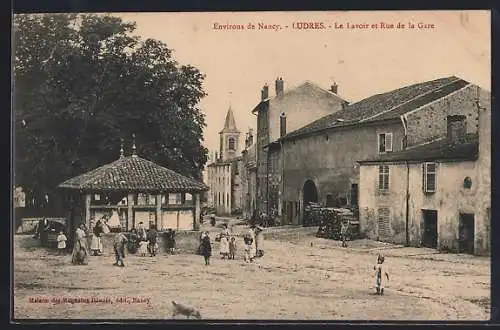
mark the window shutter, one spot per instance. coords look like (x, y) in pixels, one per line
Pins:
(388, 142)
(429, 177)
(424, 171)
(384, 222)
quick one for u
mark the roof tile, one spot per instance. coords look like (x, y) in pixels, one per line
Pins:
(133, 173)
(385, 106)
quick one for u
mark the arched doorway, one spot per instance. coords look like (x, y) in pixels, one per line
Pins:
(310, 192)
(310, 195)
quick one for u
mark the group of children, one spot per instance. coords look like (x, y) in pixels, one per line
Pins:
(228, 246)
(150, 244)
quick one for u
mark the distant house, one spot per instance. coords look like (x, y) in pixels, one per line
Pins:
(321, 158)
(224, 173)
(436, 194)
(286, 111)
(132, 190)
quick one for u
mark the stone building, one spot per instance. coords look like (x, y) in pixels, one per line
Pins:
(249, 175)
(286, 111)
(437, 192)
(224, 173)
(320, 159)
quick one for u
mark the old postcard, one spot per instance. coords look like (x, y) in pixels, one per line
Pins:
(252, 166)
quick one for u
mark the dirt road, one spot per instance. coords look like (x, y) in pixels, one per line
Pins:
(294, 280)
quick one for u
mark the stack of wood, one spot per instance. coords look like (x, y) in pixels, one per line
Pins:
(331, 223)
(312, 214)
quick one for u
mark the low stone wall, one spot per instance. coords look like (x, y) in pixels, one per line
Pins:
(186, 241)
(289, 232)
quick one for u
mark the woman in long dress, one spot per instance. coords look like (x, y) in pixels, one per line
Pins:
(253, 249)
(80, 251)
(224, 242)
(96, 242)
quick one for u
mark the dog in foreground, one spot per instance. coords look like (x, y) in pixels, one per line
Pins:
(180, 309)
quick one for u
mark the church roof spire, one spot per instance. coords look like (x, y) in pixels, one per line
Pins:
(230, 123)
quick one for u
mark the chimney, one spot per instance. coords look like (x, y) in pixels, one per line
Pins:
(456, 128)
(264, 93)
(282, 124)
(279, 87)
(334, 88)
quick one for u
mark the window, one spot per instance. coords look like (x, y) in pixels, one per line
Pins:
(383, 177)
(385, 142)
(231, 144)
(142, 199)
(227, 199)
(429, 177)
(188, 198)
(236, 169)
(151, 199)
(384, 221)
(175, 199)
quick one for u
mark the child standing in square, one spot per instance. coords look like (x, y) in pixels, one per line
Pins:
(206, 248)
(61, 243)
(232, 247)
(248, 248)
(380, 271)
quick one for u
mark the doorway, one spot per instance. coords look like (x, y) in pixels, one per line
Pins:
(310, 192)
(466, 233)
(354, 194)
(429, 237)
(310, 195)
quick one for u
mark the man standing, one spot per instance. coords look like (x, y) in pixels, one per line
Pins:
(344, 231)
(152, 239)
(119, 247)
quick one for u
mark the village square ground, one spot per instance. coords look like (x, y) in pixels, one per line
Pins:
(294, 280)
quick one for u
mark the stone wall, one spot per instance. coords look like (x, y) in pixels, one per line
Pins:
(429, 122)
(330, 160)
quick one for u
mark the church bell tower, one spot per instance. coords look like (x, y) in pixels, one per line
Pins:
(229, 137)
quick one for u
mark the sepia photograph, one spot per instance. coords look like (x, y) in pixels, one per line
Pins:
(330, 166)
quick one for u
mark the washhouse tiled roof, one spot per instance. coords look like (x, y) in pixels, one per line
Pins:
(133, 173)
(384, 106)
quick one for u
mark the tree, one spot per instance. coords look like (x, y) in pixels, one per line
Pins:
(83, 82)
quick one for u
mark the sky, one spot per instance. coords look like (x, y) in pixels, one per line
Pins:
(362, 61)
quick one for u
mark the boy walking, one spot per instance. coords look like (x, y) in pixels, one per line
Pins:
(380, 271)
(119, 247)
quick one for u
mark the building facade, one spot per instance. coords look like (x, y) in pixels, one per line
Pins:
(224, 173)
(286, 111)
(437, 192)
(320, 159)
(249, 176)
